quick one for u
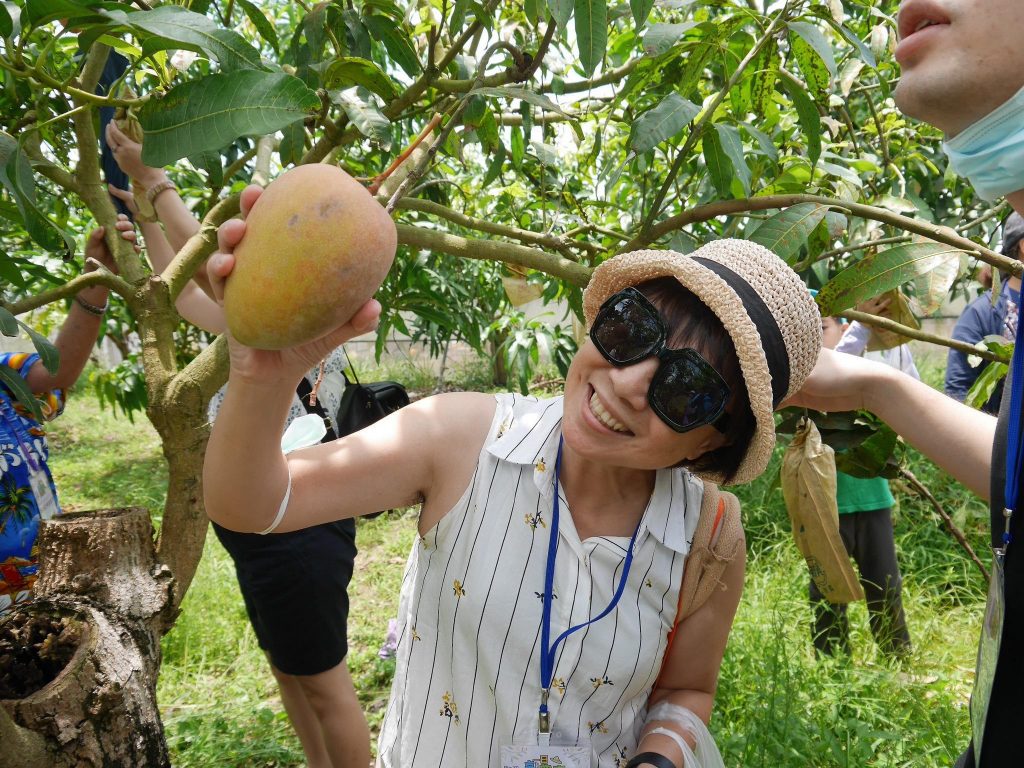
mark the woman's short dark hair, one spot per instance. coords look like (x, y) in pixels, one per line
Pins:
(692, 324)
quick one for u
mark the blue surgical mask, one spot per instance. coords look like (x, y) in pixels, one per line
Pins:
(990, 153)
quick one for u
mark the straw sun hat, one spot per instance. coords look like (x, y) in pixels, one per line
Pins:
(765, 308)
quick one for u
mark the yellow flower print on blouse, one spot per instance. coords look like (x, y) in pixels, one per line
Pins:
(457, 588)
(449, 708)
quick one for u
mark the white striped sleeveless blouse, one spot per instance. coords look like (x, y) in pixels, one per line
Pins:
(468, 673)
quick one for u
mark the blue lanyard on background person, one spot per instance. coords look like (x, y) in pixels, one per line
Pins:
(1014, 441)
(20, 433)
(548, 649)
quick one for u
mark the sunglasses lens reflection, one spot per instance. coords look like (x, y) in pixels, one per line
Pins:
(626, 331)
(687, 392)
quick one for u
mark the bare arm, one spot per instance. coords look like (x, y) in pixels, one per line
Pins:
(78, 333)
(395, 462)
(954, 436)
(193, 303)
(690, 676)
(170, 208)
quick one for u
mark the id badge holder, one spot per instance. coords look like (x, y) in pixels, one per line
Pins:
(535, 756)
(44, 495)
(988, 654)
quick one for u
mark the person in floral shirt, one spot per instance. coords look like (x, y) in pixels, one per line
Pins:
(27, 491)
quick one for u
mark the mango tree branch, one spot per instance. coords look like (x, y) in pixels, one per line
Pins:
(732, 207)
(913, 333)
(198, 247)
(70, 288)
(957, 534)
(90, 186)
(208, 371)
(507, 253)
(709, 112)
(53, 172)
(560, 244)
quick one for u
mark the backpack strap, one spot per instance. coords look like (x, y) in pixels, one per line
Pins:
(715, 544)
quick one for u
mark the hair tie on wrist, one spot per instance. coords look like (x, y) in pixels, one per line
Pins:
(651, 758)
(92, 309)
(156, 189)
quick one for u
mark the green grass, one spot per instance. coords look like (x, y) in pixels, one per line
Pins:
(777, 705)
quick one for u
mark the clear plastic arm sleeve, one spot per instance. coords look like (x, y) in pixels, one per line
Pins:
(706, 754)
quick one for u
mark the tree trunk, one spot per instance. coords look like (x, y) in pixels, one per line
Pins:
(78, 665)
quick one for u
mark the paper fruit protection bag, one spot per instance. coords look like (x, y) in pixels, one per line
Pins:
(809, 488)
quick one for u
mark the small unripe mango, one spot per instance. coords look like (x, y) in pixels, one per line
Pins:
(316, 247)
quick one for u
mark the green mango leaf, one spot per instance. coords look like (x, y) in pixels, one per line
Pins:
(6, 22)
(211, 163)
(697, 60)
(719, 165)
(171, 26)
(39, 12)
(364, 115)
(732, 144)
(766, 75)
(877, 456)
(661, 38)
(17, 387)
(984, 386)
(785, 232)
(494, 168)
(48, 353)
(661, 123)
(263, 25)
(293, 143)
(881, 272)
(814, 69)
(347, 71)
(210, 113)
(591, 32)
(16, 177)
(458, 17)
(8, 323)
(395, 41)
(764, 142)
(518, 147)
(510, 92)
(561, 11)
(808, 117)
(862, 48)
(641, 10)
(814, 37)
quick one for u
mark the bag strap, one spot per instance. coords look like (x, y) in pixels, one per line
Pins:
(715, 544)
(350, 366)
(303, 391)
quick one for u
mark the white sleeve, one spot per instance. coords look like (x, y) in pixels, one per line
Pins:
(855, 339)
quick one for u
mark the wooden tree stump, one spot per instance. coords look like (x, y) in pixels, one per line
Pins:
(78, 665)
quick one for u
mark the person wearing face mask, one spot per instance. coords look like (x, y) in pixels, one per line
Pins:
(963, 72)
(543, 617)
(985, 317)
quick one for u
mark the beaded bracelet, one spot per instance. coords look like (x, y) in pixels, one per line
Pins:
(92, 309)
(156, 189)
(651, 758)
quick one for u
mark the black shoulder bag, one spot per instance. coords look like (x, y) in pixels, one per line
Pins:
(363, 404)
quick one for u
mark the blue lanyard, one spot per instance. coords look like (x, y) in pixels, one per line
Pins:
(20, 434)
(549, 649)
(1014, 443)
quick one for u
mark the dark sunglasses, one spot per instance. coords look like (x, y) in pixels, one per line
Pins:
(686, 392)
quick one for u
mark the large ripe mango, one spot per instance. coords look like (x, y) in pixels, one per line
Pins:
(316, 247)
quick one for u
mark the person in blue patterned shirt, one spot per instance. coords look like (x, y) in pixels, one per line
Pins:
(27, 490)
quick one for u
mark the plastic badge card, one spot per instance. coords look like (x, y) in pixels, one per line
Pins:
(536, 757)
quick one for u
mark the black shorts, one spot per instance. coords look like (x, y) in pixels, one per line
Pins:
(295, 587)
